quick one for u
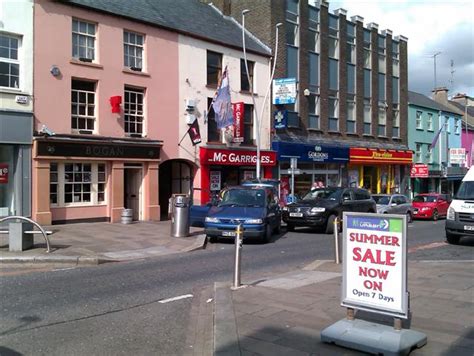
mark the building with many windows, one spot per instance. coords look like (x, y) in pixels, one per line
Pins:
(348, 124)
(117, 95)
(434, 135)
(16, 106)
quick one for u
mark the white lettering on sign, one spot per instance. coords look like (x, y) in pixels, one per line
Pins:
(318, 156)
(237, 158)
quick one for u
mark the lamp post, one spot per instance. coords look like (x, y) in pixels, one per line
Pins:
(258, 122)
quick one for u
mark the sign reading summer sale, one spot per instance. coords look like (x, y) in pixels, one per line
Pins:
(374, 277)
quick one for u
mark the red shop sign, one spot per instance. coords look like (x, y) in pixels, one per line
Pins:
(419, 170)
(239, 122)
(236, 157)
(3, 173)
(374, 156)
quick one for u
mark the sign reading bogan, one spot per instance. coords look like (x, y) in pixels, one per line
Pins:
(375, 268)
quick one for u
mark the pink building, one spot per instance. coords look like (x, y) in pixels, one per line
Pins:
(106, 95)
(467, 142)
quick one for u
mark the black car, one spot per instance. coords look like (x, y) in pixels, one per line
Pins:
(320, 207)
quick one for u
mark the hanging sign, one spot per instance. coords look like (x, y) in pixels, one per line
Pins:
(280, 119)
(284, 91)
(374, 273)
(215, 180)
(457, 155)
(3, 173)
(238, 109)
(419, 170)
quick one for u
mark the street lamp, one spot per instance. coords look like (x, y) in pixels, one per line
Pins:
(257, 119)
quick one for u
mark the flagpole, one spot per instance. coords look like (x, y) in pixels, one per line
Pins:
(257, 121)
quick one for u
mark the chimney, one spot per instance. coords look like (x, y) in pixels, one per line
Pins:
(440, 95)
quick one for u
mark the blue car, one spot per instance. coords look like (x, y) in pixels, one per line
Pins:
(256, 208)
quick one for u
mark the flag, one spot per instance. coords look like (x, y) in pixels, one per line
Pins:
(435, 139)
(222, 104)
(194, 133)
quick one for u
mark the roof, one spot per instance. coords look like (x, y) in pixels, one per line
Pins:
(419, 99)
(189, 17)
(461, 107)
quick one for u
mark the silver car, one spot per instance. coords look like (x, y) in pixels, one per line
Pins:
(393, 204)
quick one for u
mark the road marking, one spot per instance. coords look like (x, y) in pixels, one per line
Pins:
(185, 296)
(427, 246)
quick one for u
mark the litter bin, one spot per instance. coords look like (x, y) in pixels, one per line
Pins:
(180, 215)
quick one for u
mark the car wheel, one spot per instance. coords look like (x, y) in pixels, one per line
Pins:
(290, 227)
(278, 228)
(212, 239)
(268, 234)
(409, 217)
(435, 215)
(452, 239)
(330, 224)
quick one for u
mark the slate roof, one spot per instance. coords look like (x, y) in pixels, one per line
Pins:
(461, 107)
(189, 17)
(422, 100)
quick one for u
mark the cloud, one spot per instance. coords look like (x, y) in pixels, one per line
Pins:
(431, 26)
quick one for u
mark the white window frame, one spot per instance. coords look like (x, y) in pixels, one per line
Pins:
(12, 61)
(352, 117)
(396, 120)
(315, 114)
(86, 36)
(78, 104)
(132, 115)
(137, 57)
(419, 120)
(418, 152)
(457, 131)
(367, 116)
(336, 112)
(429, 155)
(429, 122)
(382, 122)
(94, 193)
(446, 124)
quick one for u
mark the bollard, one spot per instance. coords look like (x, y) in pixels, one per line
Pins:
(336, 240)
(238, 256)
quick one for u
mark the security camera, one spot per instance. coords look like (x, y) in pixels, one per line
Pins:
(306, 92)
(46, 131)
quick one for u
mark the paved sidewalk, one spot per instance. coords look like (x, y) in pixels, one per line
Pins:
(284, 315)
(94, 243)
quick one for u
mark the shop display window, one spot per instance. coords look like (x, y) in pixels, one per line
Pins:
(7, 196)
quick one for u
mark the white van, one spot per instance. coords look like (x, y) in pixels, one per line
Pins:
(460, 218)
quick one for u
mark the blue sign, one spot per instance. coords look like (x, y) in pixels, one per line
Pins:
(374, 224)
(280, 119)
(310, 153)
(284, 91)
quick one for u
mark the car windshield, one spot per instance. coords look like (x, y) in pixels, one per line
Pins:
(466, 191)
(381, 199)
(243, 197)
(323, 193)
(425, 199)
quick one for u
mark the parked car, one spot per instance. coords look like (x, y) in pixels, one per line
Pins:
(319, 207)
(256, 208)
(430, 206)
(393, 204)
(460, 217)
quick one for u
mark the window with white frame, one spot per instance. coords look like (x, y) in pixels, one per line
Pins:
(83, 40)
(244, 79)
(446, 124)
(395, 59)
(367, 83)
(333, 114)
(333, 37)
(313, 28)
(292, 38)
(457, 126)
(418, 157)
(429, 154)
(367, 49)
(83, 106)
(367, 117)
(429, 122)
(419, 122)
(9, 62)
(351, 117)
(381, 54)
(381, 82)
(382, 127)
(351, 42)
(396, 121)
(133, 111)
(314, 72)
(77, 183)
(133, 50)
(313, 110)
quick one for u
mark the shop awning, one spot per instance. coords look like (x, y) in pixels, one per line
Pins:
(380, 156)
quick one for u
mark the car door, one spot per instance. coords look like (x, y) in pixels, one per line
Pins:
(398, 207)
(443, 205)
(348, 201)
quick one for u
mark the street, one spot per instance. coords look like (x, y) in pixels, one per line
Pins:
(115, 308)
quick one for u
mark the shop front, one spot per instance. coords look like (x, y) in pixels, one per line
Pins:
(314, 164)
(380, 171)
(227, 167)
(15, 163)
(77, 179)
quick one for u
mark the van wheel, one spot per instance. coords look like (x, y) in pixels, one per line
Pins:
(330, 224)
(278, 228)
(452, 239)
(435, 215)
(409, 217)
(268, 234)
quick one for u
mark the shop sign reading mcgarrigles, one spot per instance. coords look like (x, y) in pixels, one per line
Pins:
(375, 268)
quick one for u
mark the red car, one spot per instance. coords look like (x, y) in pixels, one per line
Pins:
(430, 206)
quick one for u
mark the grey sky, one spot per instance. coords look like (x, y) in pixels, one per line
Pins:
(431, 26)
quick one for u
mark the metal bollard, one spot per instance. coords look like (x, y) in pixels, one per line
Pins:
(238, 256)
(336, 240)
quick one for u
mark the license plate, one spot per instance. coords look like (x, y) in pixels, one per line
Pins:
(468, 228)
(229, 233)
(296, 215)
